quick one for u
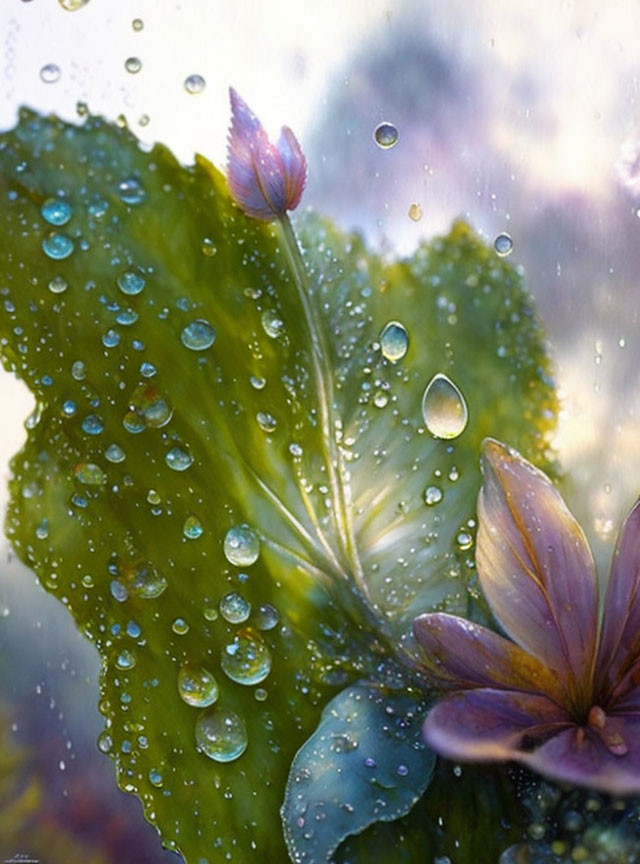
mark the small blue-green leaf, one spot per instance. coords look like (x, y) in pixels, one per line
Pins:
(365, 763)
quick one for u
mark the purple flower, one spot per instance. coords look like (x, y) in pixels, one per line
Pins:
(265, 180)
(562, 698)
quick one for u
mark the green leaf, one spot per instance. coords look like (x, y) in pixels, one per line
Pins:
(366, 762)
(151, 442)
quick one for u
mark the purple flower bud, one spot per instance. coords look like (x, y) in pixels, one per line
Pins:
(265, 179)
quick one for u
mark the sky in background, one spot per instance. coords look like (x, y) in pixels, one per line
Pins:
(521, 115)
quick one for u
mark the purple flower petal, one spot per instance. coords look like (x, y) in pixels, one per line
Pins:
(580, 756)
(536, 568)
(620, 639)
(491, 725)
(264, 180)
(460, 654)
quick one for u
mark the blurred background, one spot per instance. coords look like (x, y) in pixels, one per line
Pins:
(522, 117)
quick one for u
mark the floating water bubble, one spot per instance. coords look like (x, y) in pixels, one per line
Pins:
(93, 424)
(503, 245)
(137, 24)
(432, 495)
(58, 285)
(131, 191)
(266, 617)
(385, 135)
(197, 686)
(241, 546)
(415, 212)
(126, 659)
(198, 335)
(133, 65)
(194, 84)
(115, 454)
(57, 246)
(90, 474)
(272, 323)
(246, 660)
(56, 211)
(178, 459)
(192, 528)
(78, 370)
(72, 5)
(267, 422)
(50, 73)
(235, 608)
(394, 341)
(143, 579)
(111, 338)
(221, 734)
(130, 282)
(444, 408)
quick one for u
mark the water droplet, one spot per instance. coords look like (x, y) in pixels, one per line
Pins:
(180, 627)
(42, 530)
(131, 191)
(56, 211)
(192, 528)
(134, 422)
(126, 659)
(381, 399)
(57, 246)
(394, 341)
(464, 540)
(90, 474)
(72, 5)
(130, 282)
(147, 370)
(78, 370)
(385, 135)
(260, 694)
(194, 84)
(266, 617)
(503, 244)
(198, 335)
(178, 459)
(154, 498)
(58, 285)
(267, 422)
(272, 323)
(221, 734)
(246, 660)
(137, 24)
(432, 495)
(241, 546)
(402, 770)
(234, 608)
(115, 454)
(133, 629)
(155, 778)
(210, 613)
(143, 579)
(93, 424)
(257, 383)
(197, 685)
(105, 742)
(415, 212)
(208, 247)
(69, 407)
(444, 408)
(50, 73)
(150, 406)
(126, 316)
(111, 338)
(133, 65)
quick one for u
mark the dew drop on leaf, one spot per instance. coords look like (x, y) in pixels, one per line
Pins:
(241, 546)
(197, 686)
(126, 659)
(90, 474)
(192, 528)
(235, 608)
(266, 617)
(221, 734)
(444, 408)
(246, 660)
(198, 335)
(394, 341)
(57, 245)
(143, 579)
(130, 282)
(131, 191)
(58, 285)
(105, 742)
(272, 323)
(432, 495)
(56, 211)
(178, 459)
(267, 422)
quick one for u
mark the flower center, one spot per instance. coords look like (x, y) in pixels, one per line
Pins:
(609, 730)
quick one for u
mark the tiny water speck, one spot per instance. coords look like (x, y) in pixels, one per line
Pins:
(137, 24)
(133, 65)
(385, 135)
(194, 84)
(444, 408)
(50, 73)
(503, 245)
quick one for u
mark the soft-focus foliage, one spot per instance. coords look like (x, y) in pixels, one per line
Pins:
(169, 354)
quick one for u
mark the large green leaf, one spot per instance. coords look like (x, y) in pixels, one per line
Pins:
(320, 451)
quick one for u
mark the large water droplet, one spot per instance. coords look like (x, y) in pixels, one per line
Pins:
(194, 84)
(143, 579)
(56, 211)
(198, 335)
(241, 546)
(133, 65)
(246, 660)
(131, 282)
(221, 734)
(90, 474)
(57, 245)
(503, 244)
(93, 424)
(197, 685)
(50, 73)
(385, 135)
(235, 608)
(444, 408)
(178, 459)
(394, 341)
